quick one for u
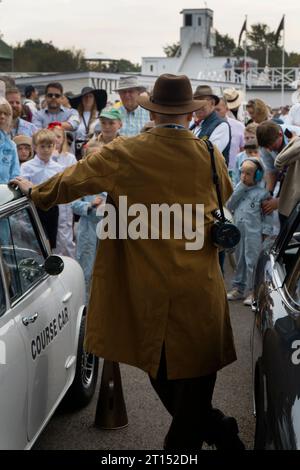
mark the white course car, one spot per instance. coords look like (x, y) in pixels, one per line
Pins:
(42, 316)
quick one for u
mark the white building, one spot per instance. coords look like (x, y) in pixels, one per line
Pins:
(196, 51)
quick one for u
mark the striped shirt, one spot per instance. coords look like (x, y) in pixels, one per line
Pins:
(133, 121)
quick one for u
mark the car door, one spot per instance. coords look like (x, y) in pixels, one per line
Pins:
(13, 375)
(40, 315)
(275, 342)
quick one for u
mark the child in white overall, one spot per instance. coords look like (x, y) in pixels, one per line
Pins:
(254, 226)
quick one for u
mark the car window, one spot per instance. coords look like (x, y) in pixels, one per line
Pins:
(9, 260)
(22, 252)
(2, 298)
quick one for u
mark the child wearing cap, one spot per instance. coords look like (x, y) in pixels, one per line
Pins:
(88, 206)
(24, 148)
(245, 203)
(111, 123)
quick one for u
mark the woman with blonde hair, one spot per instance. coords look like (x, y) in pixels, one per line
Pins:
(9, 161)
(64, 241)
(258, 111)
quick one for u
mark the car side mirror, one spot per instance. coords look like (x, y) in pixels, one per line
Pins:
(54, 265)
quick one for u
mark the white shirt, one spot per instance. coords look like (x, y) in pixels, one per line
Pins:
(219, 137)
(293, 117)
(94, 126)
(64, 159)
(37, 171)
(241, 115)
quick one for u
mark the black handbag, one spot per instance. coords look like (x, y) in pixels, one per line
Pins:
(224, 233)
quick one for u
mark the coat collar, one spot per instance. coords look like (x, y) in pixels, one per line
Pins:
(180, 134)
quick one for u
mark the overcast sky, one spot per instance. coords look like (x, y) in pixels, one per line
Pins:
(131, 29)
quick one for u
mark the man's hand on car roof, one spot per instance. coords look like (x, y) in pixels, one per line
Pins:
(23, 184)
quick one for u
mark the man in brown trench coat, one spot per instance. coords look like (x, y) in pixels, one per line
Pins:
(155, 304)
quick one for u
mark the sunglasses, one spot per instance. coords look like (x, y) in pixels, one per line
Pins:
(53, 95)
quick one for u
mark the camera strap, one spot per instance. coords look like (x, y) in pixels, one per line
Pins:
(210, 148)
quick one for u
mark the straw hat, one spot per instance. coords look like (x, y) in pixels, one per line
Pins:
(128, 82)
(233, 97)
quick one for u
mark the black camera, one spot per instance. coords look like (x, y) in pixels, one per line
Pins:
(79, 147)
(224, 234)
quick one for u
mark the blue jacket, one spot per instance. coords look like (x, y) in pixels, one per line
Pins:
(9, 160)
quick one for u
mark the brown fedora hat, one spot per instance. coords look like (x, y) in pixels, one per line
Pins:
(172, 94)
(204, 91)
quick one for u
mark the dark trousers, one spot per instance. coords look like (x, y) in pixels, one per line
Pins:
(189, 403)
(49, 220)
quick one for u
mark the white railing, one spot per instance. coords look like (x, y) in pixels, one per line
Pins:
(270, 77)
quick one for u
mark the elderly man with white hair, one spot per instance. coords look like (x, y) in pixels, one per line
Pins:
(134, 117)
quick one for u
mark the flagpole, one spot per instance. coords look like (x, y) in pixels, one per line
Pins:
(245, 60)
(283, 62)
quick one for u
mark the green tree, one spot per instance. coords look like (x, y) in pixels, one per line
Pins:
(225, 45)
(261, 45)
(38, 56)
(261, 36)
(118, 66)
(171, 50)
(124, 65)
(35, 55)
(293, 59)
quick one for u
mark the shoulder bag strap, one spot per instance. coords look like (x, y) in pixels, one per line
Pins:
(210, 148)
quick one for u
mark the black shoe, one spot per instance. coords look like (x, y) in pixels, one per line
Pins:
(223, 432)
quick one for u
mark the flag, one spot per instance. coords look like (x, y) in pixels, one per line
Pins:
(279, 29)
(244, 28)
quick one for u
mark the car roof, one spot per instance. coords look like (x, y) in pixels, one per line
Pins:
(9, 194)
